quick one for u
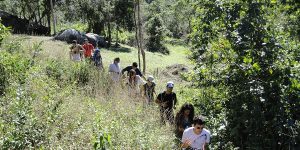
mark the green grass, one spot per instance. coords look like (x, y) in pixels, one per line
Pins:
(127, 54)
(71, 116)
(155, 62)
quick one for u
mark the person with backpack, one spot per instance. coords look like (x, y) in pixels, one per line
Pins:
(76, 51)
(167, 101)
(97, 58)
(149, 90)
(196, 137)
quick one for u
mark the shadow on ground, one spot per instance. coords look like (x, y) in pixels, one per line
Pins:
(120, 49)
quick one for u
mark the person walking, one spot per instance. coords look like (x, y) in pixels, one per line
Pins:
(184, 119)
(167, 101)
(134, 82)
(134, 66)
(148, 90)
(97, 58)
(196, 137)
(114, 70)
(76, 51)
(88, 49)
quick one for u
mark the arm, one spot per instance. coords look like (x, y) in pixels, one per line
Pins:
(186, 142)
(174, 101)
(70, 53)
(110, 69)
(178, 124)
(125, 69)
(158, 99)
(207, 140)
(81, 51)
(143, 91)
(93, 48)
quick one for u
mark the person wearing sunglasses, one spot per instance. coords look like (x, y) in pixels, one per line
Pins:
(196, 137)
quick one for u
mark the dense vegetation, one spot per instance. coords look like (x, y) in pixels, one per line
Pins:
(247, 56)
(246, 78)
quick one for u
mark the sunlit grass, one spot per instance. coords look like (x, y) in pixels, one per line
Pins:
(84, 112)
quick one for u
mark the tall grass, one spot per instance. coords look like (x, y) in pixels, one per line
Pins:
(66, 105)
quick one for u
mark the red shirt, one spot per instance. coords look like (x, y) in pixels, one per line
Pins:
(88, 49)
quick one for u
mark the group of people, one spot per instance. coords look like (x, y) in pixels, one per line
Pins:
(188, 128)
(86, 51)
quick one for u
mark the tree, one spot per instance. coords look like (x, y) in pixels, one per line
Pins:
(243, 48)
(155, 30)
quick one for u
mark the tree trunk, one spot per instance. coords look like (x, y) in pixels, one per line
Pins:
(39, 14)
(137, 30)
(53, 17)
(109, 33)
(117, 36)
(140, 24)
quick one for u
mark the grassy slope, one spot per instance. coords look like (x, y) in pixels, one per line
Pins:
(127, 54)
(155, 61)
(81, 116)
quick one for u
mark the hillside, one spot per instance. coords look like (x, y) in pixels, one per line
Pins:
(76, 113)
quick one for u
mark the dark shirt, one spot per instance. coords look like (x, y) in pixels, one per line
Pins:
(171, 99)
(128, 68)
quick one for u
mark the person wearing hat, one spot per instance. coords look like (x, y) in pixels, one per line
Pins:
(88, 49)
(167, 101)
(196, 137)
(149, 90)
(76, 51)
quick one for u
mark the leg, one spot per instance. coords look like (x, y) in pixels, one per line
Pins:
(162, 114)
(170, 115)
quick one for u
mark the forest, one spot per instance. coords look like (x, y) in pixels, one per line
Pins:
(244, 73)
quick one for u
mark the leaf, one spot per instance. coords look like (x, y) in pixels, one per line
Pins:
(247, 60)
(271, 71)
(256, 67)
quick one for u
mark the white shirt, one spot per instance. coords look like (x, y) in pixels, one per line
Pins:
(138, 82)
(198, 141)
(76, 57)
(115, 71)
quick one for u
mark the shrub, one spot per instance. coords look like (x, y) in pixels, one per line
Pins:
(155, 31)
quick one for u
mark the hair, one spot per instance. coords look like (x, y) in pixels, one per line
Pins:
(131, 73)
(180, 115)
(134, 64)
(74, 41)
(117, 59)
(198, 120)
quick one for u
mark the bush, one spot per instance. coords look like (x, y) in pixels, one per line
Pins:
(155, 32)
(4, 32)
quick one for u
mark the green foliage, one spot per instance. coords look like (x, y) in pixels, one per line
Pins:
(155, 30)
(243, 53)
(4, 32)
(67, 25)
(13, 68)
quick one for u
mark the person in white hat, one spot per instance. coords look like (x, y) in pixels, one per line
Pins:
(149, 90)
(167, 101)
